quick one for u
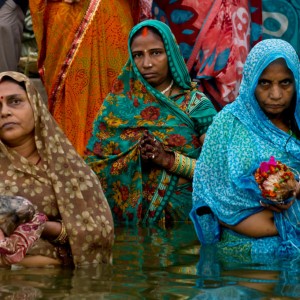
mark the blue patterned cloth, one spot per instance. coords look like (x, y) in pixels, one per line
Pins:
(281, 19)
(240, 138)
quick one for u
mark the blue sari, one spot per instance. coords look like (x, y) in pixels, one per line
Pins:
(240, 138)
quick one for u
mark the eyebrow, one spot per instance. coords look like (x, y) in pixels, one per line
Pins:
(286, 78)
(152, 49)
(13, 96)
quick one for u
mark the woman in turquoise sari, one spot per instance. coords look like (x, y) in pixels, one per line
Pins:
(262, 122)
(149, 131)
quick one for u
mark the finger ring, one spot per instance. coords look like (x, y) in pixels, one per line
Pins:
(153, 156)
(264, 204)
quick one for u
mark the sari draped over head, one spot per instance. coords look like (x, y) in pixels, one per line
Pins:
(61, 186)
(138, 192)
(240, 138)
(82, 49)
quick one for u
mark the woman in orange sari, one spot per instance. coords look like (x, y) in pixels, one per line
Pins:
(82, 48)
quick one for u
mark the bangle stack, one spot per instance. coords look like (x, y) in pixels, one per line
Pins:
(183, 166)
(63, 236)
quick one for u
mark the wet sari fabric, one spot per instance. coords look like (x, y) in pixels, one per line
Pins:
(139, 192)
(61, 186)
(240, 138)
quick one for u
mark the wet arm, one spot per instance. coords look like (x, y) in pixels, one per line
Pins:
(52, 230)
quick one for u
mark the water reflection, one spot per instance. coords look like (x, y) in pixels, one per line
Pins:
(242, 277)
(157, 263)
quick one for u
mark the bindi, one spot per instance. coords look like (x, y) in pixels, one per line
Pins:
(145, 31)
(1, 97)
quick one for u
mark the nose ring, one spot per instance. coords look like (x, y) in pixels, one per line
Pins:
(150, 65)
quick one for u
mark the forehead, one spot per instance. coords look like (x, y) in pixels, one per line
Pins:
(277, 68)
(9, 87)
(149, 40)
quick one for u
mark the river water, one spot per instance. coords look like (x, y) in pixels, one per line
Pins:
(156, 263)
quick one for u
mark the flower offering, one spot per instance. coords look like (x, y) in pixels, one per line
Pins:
(275, 180)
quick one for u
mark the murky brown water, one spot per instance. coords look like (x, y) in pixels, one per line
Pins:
(154, 263)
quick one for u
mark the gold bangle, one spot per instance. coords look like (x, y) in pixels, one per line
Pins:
(183, 165)
(189, 172)
(63, 236)
(176, 163)
(193, 167)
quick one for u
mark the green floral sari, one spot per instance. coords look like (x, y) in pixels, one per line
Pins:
(139, 192)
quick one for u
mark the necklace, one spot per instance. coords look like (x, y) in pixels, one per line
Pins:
(168, 88)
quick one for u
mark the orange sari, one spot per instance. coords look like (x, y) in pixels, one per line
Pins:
(82, 48)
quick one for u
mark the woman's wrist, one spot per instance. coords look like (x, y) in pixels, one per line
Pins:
(183, 165)
(169, 160)
(62, 238)
(55, 232)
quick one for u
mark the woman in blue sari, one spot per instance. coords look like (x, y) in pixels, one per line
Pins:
(262, 122)
(149, 131)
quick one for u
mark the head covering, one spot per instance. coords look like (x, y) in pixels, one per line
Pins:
(62, 186)
(246, 107)
(240, 138)
(176, 62)
(134, 190)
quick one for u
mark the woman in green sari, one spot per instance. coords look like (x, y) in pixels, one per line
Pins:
(149, 131)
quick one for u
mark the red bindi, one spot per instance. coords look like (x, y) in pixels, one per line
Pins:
(145, 31)
(1, 97)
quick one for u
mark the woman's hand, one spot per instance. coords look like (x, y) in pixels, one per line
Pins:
(153, 151)
(277, 207)
(283, 206)
(14, 248)
(297, 191)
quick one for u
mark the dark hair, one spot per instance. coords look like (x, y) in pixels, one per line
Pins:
(20, 83)
(140, 32)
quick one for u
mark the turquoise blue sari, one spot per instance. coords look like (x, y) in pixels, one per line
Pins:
(240, 138)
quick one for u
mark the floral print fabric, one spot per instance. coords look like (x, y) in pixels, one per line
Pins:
(62, 186)
(14, 248)
(141, 192)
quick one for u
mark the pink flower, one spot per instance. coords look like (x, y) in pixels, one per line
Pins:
(275, 180)
(265, 166)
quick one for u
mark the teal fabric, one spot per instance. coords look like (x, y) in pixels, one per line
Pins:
(240, 138)
(281, 19)
(139, 192)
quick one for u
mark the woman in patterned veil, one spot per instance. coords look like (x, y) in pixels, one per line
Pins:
(262, 122)
(149, 131)
(39, 163)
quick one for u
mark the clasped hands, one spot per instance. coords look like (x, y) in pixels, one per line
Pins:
(153, 150)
